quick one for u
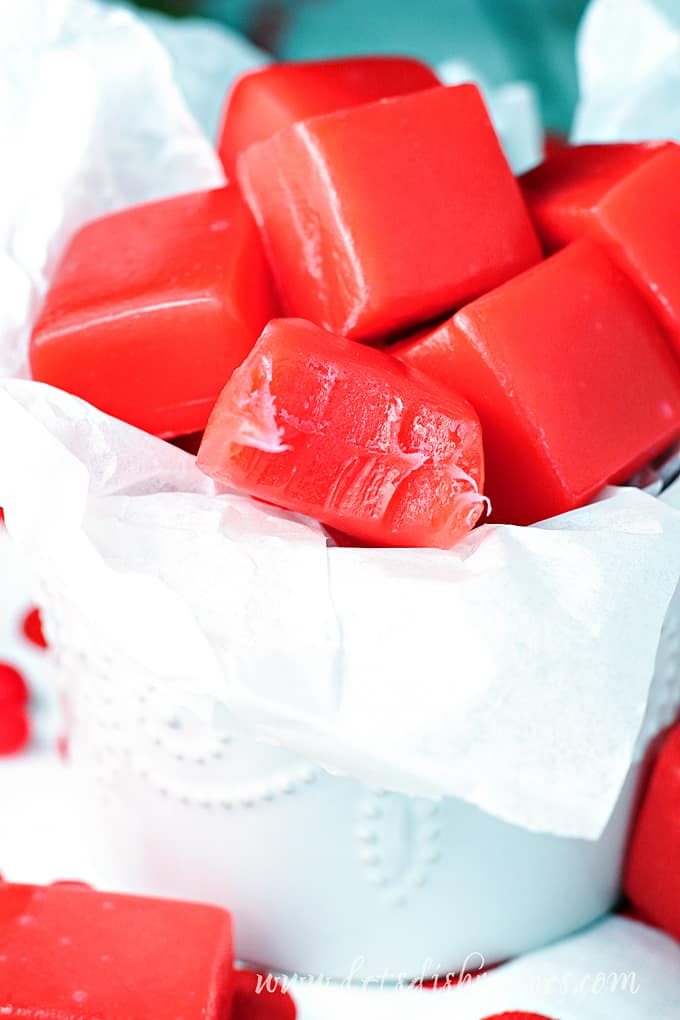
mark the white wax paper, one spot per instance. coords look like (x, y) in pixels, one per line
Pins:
(512, 671)
(206, 58)
(628, 55)
(91, 121)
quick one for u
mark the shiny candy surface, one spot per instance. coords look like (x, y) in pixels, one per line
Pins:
(344, 433)
(572, 378)
(263, 102)
(625, 197)
(152, 309)
(638, 223)
(564, 192)
(389, 214)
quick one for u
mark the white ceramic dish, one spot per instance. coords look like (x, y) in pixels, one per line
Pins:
(324, 875)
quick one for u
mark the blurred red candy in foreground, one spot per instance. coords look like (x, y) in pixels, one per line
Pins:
(32, 628)
(652, 877)
(386, 215)
(151, 309)
(517, 1016)
(70, 952)
(264, 101)
(344, 433)
(15, 727)
(13, 687)
(15, 730)
(573, 380)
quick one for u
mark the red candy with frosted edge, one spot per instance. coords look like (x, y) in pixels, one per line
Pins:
(71, 952)
(151, 309)
(564, 192)
(264, 101)
(628, 200)
(15, 731)
(652, 875)
(344, 433)
(386, 215)
(573, 380)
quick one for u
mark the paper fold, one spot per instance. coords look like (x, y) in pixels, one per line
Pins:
(513, 671)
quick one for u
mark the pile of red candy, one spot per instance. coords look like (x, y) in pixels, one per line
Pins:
(375, 209)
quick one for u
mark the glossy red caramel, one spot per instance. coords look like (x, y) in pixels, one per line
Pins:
(389, 214)
(563, 192)
(638, 222)
(344, 433)
(264, 101)
(572, 377)
(627, 198)
(151, 310)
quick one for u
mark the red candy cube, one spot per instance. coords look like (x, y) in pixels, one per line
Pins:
(627, 198)
(652, 877)
(271, 98)
(71, 952)
(386, 215)
(344, 433)
(151, 310)
(572, 378)
(564, 192)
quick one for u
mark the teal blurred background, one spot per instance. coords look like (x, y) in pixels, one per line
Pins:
(531, 40)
